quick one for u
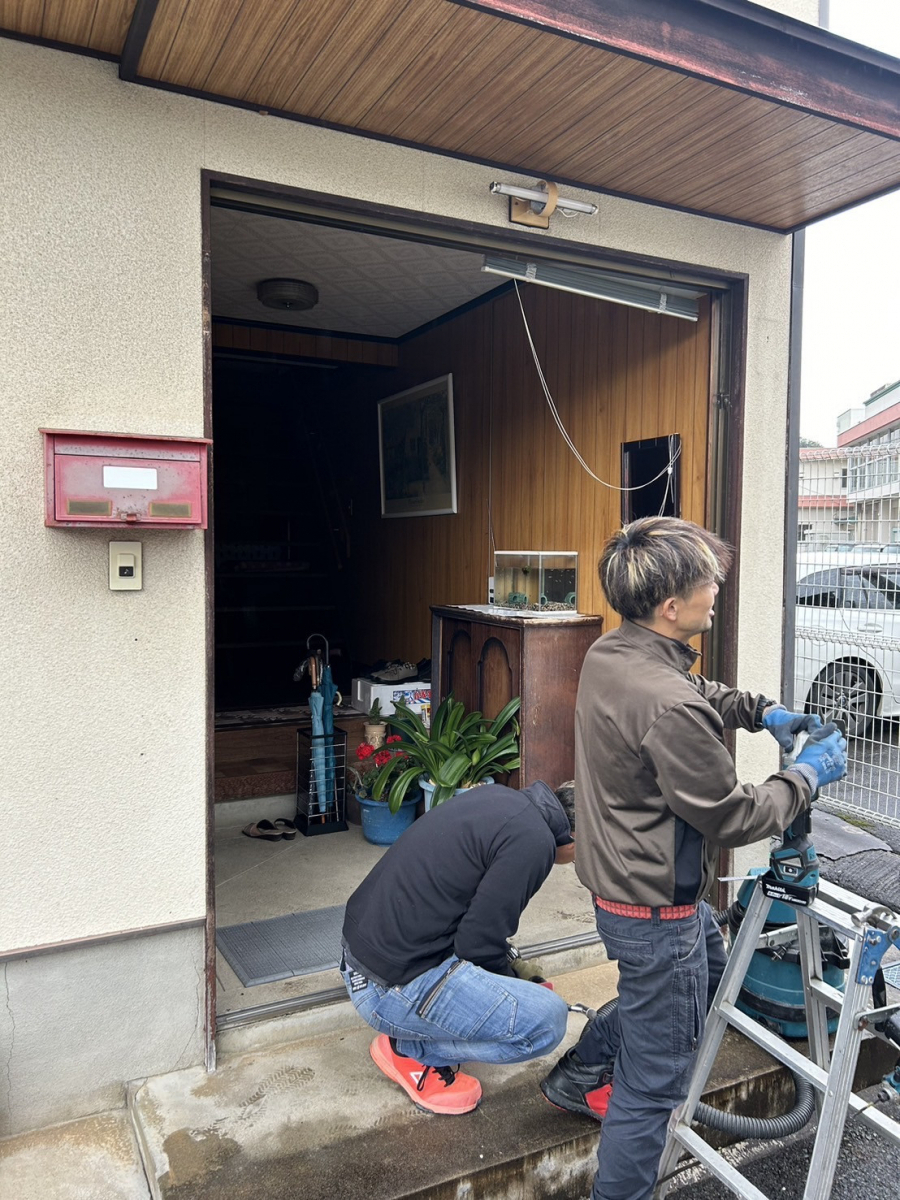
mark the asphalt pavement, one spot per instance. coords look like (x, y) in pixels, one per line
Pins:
(868, 1165)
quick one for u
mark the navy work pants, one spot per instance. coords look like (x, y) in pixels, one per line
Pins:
(668, 975)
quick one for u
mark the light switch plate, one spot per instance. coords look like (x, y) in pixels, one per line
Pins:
(125, 567)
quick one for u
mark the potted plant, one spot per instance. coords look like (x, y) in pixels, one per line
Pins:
(376, 727)
(380, 824)
(457, 751)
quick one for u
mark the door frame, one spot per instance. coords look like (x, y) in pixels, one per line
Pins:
(728, 351)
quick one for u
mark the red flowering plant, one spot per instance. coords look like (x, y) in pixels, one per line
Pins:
(369, 761)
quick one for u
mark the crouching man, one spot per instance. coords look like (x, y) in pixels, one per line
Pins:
(425, 934)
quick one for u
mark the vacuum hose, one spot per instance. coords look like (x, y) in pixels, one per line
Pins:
(734, 1124)
(762, 1127)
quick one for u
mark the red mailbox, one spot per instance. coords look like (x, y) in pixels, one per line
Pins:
(113, 480)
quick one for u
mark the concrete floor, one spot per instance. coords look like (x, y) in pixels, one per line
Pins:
(257, 879)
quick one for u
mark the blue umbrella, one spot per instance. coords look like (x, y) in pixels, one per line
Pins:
(316, 705)
(328, 692)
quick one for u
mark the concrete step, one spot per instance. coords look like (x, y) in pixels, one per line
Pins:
(95, 1158)
(316, 1119)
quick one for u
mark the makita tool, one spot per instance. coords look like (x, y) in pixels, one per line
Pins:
(793, 874)
(773, 986)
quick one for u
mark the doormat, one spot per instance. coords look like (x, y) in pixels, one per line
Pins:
(299, 944)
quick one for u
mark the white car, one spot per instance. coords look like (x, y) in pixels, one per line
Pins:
(847, 644)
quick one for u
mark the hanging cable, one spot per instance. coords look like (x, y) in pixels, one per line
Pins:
(670, 490)
(565, 435)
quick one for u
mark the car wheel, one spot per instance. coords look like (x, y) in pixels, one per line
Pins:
(846, 692)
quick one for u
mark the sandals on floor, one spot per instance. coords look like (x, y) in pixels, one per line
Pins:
(263, 829)
(288, 828)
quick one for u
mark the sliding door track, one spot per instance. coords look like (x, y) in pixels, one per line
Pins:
(283, 1008)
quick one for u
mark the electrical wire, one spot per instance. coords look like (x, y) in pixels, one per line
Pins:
(673, 454)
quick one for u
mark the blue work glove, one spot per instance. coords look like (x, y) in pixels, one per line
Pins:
(784, 725)
(826, 753)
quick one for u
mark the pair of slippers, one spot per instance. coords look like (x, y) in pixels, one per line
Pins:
(272, 831)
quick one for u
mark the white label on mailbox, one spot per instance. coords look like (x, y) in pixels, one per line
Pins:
(144, 478)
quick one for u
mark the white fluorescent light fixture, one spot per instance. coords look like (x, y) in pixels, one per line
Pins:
(655, 297)
(538, 199)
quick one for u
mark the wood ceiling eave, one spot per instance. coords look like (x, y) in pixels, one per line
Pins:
(498, 83)
(98, 26)
(713, 106)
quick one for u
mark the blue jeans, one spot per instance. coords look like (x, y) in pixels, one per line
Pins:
(457, 1012)
(668, 975)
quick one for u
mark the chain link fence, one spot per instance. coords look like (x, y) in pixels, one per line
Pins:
(847, 640)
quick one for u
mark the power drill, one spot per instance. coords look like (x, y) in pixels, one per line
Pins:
(795, 861)
(793, 874)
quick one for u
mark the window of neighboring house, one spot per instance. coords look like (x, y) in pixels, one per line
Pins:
(803, 532)
(843, 479)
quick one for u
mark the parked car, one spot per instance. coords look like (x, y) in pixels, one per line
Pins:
(847, 646)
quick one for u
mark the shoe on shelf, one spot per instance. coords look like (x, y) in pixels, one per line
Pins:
(395, 672)
(579, 1087)
(433, 1089)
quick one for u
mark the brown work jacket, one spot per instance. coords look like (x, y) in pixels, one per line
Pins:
(655, 786)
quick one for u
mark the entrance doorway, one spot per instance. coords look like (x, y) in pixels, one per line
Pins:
(304, 556)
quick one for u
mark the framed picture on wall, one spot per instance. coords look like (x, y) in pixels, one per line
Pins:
(417, 451)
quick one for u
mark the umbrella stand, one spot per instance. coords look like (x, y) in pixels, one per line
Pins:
(312, 819)
(321, 804)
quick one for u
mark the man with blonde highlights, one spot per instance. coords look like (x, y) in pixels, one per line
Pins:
(656, 796)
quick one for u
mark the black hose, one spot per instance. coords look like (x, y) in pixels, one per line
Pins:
(762, 1127)
(743, 1127)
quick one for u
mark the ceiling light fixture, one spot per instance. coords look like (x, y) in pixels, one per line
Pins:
(535, 206)
(655, 297)
(287, 294)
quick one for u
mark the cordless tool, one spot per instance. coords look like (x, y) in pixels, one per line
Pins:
(793, 874)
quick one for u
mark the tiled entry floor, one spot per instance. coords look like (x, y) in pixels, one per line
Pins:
(256, 879)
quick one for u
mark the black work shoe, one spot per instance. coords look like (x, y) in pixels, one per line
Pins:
(579, 1087)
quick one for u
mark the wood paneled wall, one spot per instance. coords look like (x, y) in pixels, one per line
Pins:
(617, 374)
(228, 336)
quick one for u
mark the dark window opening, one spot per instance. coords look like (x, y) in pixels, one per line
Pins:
(651, 468)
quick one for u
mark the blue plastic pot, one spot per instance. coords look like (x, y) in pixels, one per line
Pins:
(380, 826)
(428, 790)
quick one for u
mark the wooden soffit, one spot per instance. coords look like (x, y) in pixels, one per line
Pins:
(717, 107)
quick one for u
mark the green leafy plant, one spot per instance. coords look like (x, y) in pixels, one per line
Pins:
(374, 714)
(459, 750)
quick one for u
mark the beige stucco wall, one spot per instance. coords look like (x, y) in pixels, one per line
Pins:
(102, 783)
(802, 10)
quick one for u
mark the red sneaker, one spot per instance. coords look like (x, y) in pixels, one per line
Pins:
(434, 1089)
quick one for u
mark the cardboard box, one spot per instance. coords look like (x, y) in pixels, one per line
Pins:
(415, 693)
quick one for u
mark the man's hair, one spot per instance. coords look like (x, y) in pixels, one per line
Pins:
(654, 558)
(565, 794)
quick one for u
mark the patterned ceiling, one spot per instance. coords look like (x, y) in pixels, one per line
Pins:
(367, 284)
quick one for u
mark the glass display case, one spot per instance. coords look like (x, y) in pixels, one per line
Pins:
(535, 581)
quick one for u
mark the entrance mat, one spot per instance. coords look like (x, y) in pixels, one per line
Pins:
(299, 944)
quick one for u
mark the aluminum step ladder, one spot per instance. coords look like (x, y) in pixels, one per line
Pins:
(869, 930)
